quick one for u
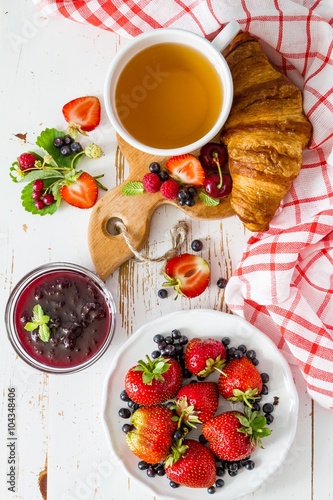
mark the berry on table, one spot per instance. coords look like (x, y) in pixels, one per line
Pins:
(222, 283)
(196, 245)
(155, 167)
(170, 189)
(151, 182)
(162, 293)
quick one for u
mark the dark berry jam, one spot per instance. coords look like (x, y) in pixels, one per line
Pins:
(79, 323)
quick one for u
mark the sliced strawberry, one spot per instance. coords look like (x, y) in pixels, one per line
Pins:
(80, 190)
(83, 112)
(187, 169)
(189, 274)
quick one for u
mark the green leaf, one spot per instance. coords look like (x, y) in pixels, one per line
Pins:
(29, 204)
(45, 141)
(42, 174)
(44, 333)
(40, 321)
(208, 200)
(132, 188)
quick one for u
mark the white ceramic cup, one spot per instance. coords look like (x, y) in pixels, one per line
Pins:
(211, 51)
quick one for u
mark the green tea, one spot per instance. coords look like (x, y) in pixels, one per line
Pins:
(168, 95)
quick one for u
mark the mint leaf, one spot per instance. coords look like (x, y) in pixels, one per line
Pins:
(44, 333)
(40, 321)
(208, 200)
(132, 188)
(29, 204)
(45, 141)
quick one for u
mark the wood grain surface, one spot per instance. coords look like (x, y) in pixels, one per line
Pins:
(108, 246)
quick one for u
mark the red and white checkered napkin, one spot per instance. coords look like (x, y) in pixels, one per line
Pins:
(284, 283)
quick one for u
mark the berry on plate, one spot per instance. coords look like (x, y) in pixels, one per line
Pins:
(197, 403)
(189, 274)
(83, 113)
(187, 169)
(152, 433)
(240, 381)
(191, 464)
(234, 435)
(154, 381)
(203, 356)
(80, 190)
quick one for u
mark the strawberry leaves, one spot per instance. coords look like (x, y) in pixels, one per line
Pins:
(56, 171)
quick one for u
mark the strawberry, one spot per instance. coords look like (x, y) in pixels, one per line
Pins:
(80, 190)
(189, 274)
(197, 403)
(187, 169)
(191, 464)
(152, 435)
(240, 381)
(83, 113)
(155, 381)
(202, 357)
(234, 435)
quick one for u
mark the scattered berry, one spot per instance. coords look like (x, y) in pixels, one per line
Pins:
(155, 167)
(222, 283)
(163, 175)
(196, 245)
(162, 293)
(26, 161)
(170, 189)
(151, 182)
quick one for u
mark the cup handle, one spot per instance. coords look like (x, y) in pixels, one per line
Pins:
(223, 39)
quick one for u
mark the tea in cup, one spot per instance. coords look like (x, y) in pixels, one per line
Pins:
(169, 91)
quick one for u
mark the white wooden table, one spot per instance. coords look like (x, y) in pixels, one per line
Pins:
(45, 63)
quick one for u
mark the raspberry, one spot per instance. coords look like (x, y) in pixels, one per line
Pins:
(170, 189)
(26, 161)
(151, 182)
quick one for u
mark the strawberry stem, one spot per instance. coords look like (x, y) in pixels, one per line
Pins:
(99, 184)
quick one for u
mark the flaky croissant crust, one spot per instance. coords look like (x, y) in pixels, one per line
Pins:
(265, 133)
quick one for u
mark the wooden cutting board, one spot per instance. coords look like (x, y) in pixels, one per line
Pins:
(107, 246)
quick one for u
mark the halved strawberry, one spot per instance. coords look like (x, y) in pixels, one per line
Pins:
(189, 274)
(83, 113)
(187, 169)
(80, 190)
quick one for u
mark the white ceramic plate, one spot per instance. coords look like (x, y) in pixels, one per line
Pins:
(206, 323)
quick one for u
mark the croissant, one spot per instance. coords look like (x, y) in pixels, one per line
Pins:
(265, 133)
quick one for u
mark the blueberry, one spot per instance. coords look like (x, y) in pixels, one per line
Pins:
(219, 483)
(211, 490)
(65, 150)
(220, 471)
(124, 396)
(202, 439)
(155, 167)
(264, 377)
(269, 418)
(264, 390)
(151, 472)
(173, 484)
(190, 202)
(155, 354)
(251, 354)
(249, 465)
(196, 245)
(127, 428)
(142, 465)
(268, 408)
(221, 283)
(176, 334)
(58, 142)
(160, 470)
(225, 341)
(192, 191)
(162, 293)
(163, 175)
(124, 413)
(76, 147)
(183, 195)
(158, 338)
(68, 139)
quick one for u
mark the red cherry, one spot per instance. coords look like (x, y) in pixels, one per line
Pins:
(215, 188)
(212, 152)
(38, 185)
